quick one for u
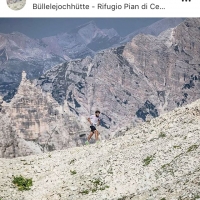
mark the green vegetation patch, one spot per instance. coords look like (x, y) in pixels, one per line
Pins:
(168, 167)
(122, 198)
(162, 135)
(177, 146)
(72, 161)
(127, 197)
(73, 172)
(22, 183)
(196, 197)
(94, 186)
(192, 148)
(98, 185)
(148, 159)
(84, 192)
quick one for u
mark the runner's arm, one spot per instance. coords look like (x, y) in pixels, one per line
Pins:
(98, 122)
(89, 120)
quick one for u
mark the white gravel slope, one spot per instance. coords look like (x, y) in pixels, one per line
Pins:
(171, 140)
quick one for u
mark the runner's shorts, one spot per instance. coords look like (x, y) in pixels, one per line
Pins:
(93, 128)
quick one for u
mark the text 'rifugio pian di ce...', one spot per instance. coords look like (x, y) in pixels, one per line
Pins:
(99, 6)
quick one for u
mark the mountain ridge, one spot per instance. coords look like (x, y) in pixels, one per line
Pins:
(146, 77)
(36, 56)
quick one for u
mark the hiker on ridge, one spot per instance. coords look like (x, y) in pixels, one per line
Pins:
(94, 121)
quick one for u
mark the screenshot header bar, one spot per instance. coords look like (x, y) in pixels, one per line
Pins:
(99, 8)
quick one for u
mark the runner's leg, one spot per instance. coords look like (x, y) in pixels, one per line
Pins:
(91, 134)
(96, 135)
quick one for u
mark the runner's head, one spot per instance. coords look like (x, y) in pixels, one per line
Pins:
(97, 113)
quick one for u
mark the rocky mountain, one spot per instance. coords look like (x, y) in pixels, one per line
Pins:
(33, 122)
(82, 41)
(155, 28)
(132, 83)
(87, 39)
(158, 160)
(19, 52)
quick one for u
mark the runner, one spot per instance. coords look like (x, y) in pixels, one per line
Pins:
(94, 121)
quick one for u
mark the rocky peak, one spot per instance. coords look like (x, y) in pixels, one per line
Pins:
(90, 31)
(40, 123)
(91, 25)
(156, 28)
(140, 80)
(19, 52)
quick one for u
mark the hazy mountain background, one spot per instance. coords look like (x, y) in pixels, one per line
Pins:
(43, 27)
(19, 51)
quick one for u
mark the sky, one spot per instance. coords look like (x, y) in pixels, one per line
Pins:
(43, 27)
